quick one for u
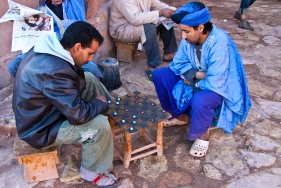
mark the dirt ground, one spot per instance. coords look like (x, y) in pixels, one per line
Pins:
(263, 75)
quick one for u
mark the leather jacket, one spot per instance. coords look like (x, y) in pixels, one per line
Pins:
(47, 92)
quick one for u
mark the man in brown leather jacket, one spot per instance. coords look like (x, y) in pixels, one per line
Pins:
(56, 103)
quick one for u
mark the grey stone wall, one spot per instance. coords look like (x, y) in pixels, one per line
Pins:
(6, 30)
(98, 15)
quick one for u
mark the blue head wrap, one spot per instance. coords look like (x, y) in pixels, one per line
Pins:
(193, 14)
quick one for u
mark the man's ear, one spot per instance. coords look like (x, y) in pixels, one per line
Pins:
(201, 27)
(77, 47)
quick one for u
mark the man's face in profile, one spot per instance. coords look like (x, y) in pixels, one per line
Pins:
(82, 55)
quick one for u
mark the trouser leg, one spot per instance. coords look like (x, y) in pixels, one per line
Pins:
(164, 80)
(151, 46)
(244, 6)
(169, 39)
(203, 106)
(13, 65)
(95, 136)
(94, 87)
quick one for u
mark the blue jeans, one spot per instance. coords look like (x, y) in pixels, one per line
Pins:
(91, 67)
(244, 6)
(202, 107)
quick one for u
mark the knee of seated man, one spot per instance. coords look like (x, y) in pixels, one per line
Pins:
(97, 128)
(103, 123)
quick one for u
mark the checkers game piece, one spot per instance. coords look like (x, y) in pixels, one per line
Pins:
(132, 104)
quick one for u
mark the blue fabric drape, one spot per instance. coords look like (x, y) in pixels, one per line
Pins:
(225, 75)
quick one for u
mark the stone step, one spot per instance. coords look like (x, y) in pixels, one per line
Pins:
(7, 117)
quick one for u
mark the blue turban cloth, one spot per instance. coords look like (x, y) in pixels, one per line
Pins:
(192, 14)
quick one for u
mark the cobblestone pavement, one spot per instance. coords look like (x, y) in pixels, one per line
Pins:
(250, 157)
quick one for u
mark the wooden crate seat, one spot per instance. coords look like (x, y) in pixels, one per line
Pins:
(125, 51)
(39, 164)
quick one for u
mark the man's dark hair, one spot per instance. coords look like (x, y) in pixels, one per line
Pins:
(80, 32)
(207, 27)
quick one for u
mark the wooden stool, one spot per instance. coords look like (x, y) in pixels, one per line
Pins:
(39, 164)
(139, 113)
(125, 51)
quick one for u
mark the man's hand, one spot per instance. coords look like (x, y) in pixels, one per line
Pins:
(188, 82)
(100, 97)
(166, 12)
(200, 75)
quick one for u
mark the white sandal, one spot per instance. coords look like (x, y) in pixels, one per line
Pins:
(173, 122)
(199, 148)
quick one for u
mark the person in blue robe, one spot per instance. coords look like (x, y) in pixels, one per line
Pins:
(64, 13)
(205, 81)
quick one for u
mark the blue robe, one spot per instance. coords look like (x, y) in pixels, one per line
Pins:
(224, 75)
(73, 10)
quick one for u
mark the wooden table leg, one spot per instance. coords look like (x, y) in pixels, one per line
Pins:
(112, 124)
(127, 149)
(159, 139)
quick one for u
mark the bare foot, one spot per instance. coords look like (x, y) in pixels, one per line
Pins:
(183, 117)
(205, 136)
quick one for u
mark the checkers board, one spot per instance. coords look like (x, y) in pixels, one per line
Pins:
(135, 111)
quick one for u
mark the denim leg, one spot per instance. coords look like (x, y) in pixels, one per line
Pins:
(203, 106)
(13, 65)
(151, 46)
(169, 39)
(244, 6)
(164, 80)
(92, 68)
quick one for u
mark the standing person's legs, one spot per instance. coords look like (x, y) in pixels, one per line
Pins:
(169, 40)
(151, 49)
(245, 4)
(203, 106)
(241, 14)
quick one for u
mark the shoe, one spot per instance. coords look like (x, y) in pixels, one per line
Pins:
(199, 148)
(244, 24)
(149, 74)
(173, 122)
(108, 180)
(237, 16)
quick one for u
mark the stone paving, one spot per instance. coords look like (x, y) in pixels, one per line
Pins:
(250, 157)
